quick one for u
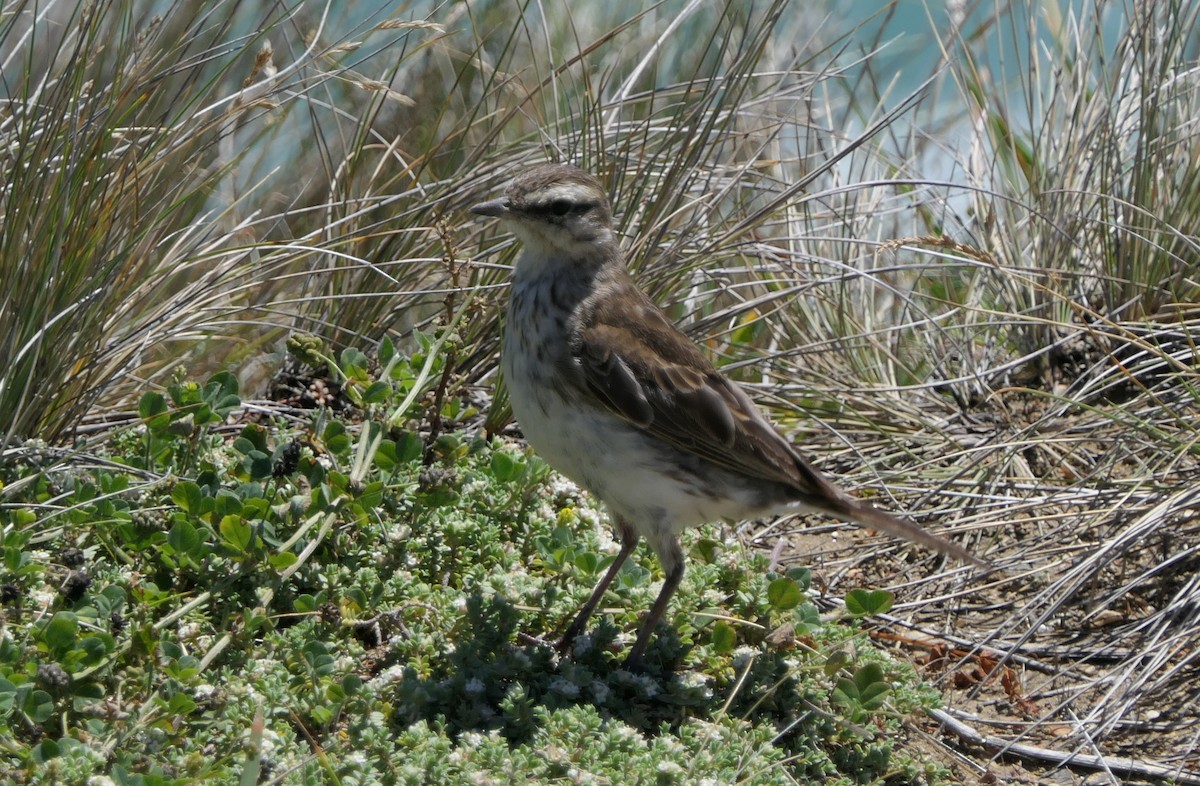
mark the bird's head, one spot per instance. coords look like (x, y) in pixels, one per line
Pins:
(554, 210)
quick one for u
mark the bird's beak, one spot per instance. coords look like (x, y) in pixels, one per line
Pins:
(497, 208)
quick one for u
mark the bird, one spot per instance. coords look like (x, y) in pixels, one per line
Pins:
(612, 394)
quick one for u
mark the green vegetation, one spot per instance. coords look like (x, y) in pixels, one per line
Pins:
(278, 599)
(260, 517)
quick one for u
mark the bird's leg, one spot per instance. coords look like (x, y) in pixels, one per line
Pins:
(670, 554)
(629, 539)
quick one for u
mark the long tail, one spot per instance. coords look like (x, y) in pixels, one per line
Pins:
(864, 514)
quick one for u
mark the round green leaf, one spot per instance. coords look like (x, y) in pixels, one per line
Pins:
(862, 602)
(59, 634)
(237, 534)
(183, 537)
(39, 706)
(187, 496)
(784, 594)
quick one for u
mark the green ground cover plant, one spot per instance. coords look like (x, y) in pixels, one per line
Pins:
(235, 594)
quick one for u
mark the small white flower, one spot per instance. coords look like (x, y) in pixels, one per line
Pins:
(561, 487)
(475, 686)
(393, 673)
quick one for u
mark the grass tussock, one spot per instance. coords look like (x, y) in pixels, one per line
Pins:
(973, 299)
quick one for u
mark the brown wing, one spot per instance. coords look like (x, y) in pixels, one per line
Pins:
(644, 369)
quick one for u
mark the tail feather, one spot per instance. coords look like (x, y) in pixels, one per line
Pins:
(868, 516)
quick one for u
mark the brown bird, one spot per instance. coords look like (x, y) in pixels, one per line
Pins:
(611, 394)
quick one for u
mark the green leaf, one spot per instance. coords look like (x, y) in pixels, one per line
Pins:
(187, 496)
(632, 575)
(318, 657)
(784, 594)
(409, 448)
(724, 637)
(860, 602)
(802, 576)
(221, 393)
(504, 466)
(846, 693)
(226, 503)
(587, 562)
(371, 495)
(39, 706)
(82, 693)
(354, 363)
(45, 750)
(258, 465)
(283, 560)
(96, 647)
(59, 634)
(181, 704)
(376, 393)
(255, 436)
(15, 559)
(874, 697)
(871, 687)
(385, 456)
(152, 408)
(706, 549)
(336, 440)
(183, 537)
(8, 696)
(237, 533)
(387, 351)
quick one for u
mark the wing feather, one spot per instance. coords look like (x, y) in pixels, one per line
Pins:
(651, 374)
(648, 372)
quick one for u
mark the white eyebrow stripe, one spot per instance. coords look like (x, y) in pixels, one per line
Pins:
(572, 192)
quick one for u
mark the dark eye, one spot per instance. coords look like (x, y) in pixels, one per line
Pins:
(560, 207)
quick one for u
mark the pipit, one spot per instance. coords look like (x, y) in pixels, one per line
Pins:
(611, 394)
